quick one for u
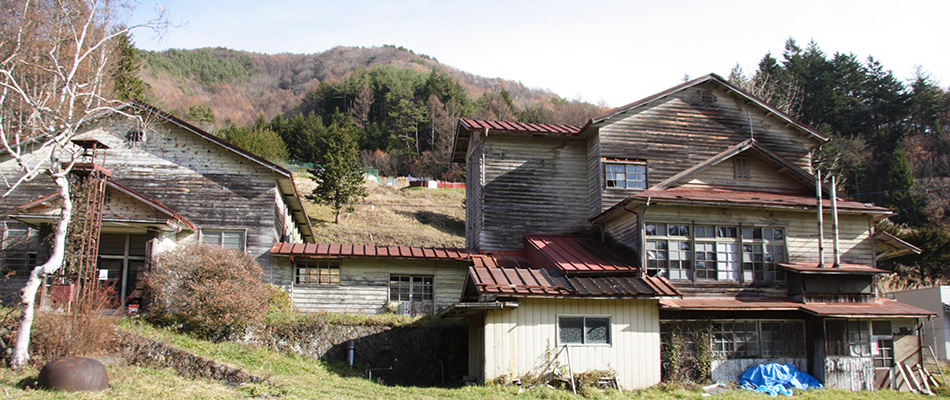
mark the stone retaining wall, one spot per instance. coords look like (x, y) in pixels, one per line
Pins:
(140, 350)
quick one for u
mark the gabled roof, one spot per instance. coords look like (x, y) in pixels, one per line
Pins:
(466, 126)
(285, 182)
(888, 246)
(718, 80)
(29, 212)
(322, 250)
(750, 145)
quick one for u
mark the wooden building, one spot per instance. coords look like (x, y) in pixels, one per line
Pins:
(166, 182)
(709, 188)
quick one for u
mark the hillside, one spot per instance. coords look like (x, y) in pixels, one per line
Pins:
(239, 86)
(390, 216)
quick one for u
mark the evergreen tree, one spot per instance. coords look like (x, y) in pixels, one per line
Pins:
(126, 84)
(337, 170)
(258, 140)
(900, 191)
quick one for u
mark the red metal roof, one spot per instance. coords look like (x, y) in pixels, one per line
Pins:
(367, 251)
(572, 254)
(519, 127)
(813, 268)
(882, 308)
(731, 304)
(727, 197)
(515, 281)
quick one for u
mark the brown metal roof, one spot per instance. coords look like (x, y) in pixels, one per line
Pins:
(518, 127)
(731, 304)
(550, 282)
(572, 254)
(882, 308)
(740, 198)
(621, 286)
(323, 250)
(828, 269)
(515, 281)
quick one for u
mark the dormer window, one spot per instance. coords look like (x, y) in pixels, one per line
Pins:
(135, 135)
(625, 175)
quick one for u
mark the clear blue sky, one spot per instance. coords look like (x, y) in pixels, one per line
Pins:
(595, 50)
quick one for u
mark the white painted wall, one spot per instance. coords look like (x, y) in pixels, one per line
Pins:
(936, 331)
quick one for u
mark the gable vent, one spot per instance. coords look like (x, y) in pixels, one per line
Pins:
(742, 168)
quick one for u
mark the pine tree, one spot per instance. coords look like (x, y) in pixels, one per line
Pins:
(337, 169)
(126, 84)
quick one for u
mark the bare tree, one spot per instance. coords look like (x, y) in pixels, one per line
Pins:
(56, 59)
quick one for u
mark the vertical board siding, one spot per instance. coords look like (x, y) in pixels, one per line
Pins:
(524, 340)
(364, 284)
(679, 131)
(532, 185)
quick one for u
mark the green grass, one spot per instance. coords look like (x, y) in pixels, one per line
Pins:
(393, 320)
(292, 376)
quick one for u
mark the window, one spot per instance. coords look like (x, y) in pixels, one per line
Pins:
(135, 135)
(318, 272)
(848, 338)
(19, 245)
(227, 239)
(742, 168)
(710, 252)
(733, 339)
(625, 175)
(583, 330)
(410, 288)
(762, 248)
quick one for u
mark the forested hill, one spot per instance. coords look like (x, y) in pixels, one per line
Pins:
(239, 86)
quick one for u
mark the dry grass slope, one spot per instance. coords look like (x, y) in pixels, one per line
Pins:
(391, 217)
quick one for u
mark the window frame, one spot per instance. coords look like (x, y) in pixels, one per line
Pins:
(204, 233)
(314, 272)
(585, 328)
(428, 288)
(19, 252)
(715, 252)
(608, 163)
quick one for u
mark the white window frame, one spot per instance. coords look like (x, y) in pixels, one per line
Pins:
(584, 341)
(607, 164)
(203, 234)
(331, 266)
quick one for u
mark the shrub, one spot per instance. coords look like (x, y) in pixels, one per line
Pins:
(87, 328)
(210, 289)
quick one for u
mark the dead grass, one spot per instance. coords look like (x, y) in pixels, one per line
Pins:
(390, 217)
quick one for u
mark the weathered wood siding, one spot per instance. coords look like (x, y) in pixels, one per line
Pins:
(624, 230)
(679, 131)
(595, 174)
(763, 176)
(849, 373)
(524, 340)
(474, 191)
(364, 284)
(532, 185)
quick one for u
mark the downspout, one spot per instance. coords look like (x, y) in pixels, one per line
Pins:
(834, 220)
(641, 211)
(821, 225)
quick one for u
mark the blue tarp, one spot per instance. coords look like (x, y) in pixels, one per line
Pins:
(776, 379)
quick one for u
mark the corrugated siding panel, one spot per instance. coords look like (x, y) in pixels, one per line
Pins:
(532, 185)
(522, 341)
(679, 132)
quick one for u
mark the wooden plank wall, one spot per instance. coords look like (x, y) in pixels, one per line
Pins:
(532, 185)
(763, 177)
(474, 190)
(364, 284)
(681, 131)
(524, 340)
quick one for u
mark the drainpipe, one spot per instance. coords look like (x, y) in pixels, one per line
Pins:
(821, 225)
(350, 352)
(834, 220)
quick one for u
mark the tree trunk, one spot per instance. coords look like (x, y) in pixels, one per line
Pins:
(338, 212)
(21, 348)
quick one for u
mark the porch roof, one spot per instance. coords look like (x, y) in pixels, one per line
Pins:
(881, 308)
(730, 304)
(828, 269)
(741, 198)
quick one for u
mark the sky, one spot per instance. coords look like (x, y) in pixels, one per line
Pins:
(605, 52)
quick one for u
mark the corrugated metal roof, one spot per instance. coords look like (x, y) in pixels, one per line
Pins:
(515, 281)
(731, 304)
(728, 197)
(550, 282)
(366, 251)
(882, 308)
(572, 254)
(519, 127)
(828, 269)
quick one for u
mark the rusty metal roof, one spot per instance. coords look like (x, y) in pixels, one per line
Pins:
(731, 304)
(515, 281)
(323, 250)
(572, 254)
(881, 308)
(828, 269)
(518, 127)
(740, 198)
(550, 282)
(621, 286)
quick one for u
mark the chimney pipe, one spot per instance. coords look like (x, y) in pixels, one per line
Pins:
(834, 220)
(821, 225)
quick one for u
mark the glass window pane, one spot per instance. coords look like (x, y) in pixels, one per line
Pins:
(597, 330)
(571, 330)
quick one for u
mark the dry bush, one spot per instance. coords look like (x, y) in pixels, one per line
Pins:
(209, 289)
(86, 328)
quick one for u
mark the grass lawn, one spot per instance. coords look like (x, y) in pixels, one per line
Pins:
(296, 377)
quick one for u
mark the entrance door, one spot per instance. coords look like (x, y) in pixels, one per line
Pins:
(122, 257)
(882, 340)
